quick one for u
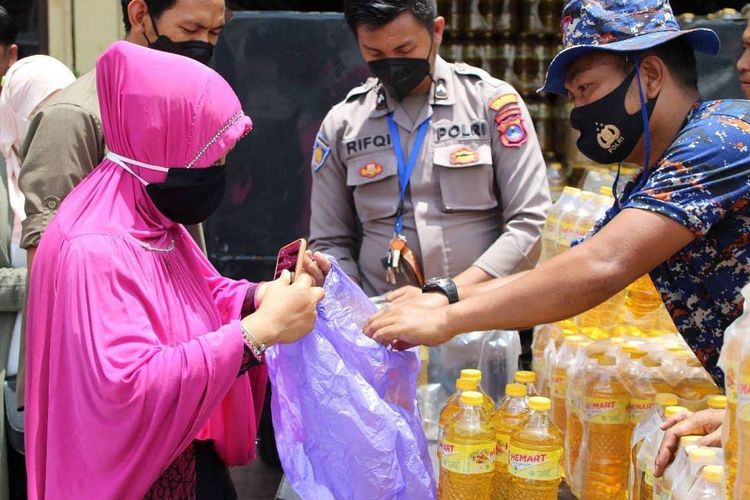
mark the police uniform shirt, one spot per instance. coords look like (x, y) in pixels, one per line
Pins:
(478, 195)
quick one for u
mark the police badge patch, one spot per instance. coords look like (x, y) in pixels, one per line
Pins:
(321, 151)
(509, 120)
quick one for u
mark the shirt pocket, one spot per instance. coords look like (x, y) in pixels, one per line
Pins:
(374, 179)
(466, 176)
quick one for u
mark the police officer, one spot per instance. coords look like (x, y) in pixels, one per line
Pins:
(430, 169)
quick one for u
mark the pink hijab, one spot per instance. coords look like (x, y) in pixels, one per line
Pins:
(133, 339)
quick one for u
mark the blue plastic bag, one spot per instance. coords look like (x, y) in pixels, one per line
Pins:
(344, 407)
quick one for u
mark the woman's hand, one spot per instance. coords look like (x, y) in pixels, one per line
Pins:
(705, 423)
(288, 312)
(410, 325)
(316, 265)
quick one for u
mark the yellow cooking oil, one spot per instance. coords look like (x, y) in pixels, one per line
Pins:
(512, 411)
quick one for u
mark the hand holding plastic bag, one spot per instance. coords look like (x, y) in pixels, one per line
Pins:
(344, 407)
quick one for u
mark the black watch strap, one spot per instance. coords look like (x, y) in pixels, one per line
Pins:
(446, 286)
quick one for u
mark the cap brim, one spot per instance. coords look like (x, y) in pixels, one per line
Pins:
(702, 40)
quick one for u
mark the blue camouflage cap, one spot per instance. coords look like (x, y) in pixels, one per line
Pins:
(619, 26)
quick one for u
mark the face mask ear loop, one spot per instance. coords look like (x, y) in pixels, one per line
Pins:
(644, 115)
(122, 162)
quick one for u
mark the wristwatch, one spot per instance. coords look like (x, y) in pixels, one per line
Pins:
(446, 286)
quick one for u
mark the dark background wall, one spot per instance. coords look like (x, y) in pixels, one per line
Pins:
(699, 7)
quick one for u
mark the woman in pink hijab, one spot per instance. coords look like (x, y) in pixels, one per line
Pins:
(137, 349)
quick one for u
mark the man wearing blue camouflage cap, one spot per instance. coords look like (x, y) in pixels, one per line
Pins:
(685, 219)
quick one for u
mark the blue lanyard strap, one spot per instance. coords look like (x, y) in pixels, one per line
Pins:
(405, 169)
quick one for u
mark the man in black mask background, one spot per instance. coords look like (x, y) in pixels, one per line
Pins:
(65, 140)
(437, 163)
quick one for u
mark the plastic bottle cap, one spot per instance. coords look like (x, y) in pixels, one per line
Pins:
(617, 340)
(472, 398)
(666, 399)
(474, 374)
(605, 190)
(525, 377)
(697, 453)
(713, 473)
(571, 191)
(607, 361)
(516, 390)
(574, 339)
(467, 384)
(671, 411)
(540, 404)
(686, 441)
(717, 402)
(675, 348)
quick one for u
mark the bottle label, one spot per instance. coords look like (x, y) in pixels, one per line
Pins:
(743, 397)
(605, 410)
(638, 409)
(535, 465)
(733, 368)
(467, 459)
(501, 454)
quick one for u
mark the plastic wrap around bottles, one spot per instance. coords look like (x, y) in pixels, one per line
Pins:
(344, 407)
(495, 353)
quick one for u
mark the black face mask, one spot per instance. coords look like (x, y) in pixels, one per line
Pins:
(197, 50)
(189, 196)
(401, 75)
(608, 133)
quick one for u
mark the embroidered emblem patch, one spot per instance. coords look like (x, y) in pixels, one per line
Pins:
(441, 90)
(464, 156)
(511, 127)
(321, 151)
(371, 170)
(499, 102)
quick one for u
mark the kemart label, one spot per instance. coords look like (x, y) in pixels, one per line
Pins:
(468, 459)
(637, 408)
(605, 410)
(535, 465)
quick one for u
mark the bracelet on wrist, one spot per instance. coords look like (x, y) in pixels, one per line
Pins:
(256, 347)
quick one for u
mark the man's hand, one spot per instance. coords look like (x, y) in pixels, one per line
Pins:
(317, 266)
(409, 325)
(413, 296)
(705, 423)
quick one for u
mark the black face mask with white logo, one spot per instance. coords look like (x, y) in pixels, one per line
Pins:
(608, 132)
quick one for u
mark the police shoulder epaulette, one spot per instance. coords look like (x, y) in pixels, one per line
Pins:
(464, 69)
(362, 89)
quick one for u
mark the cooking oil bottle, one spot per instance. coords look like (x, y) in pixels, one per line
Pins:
(512, 411)
(660, 487)
(528, 379)
(489, 403)
(695, 386)
(699, 457)
(676, 469)
(565, 358)
(607, 432)
(647, 438)
(643, 389)
(467, 453)
(709, 486)
(731, 363)
(585, 359)
(535, 455)
(453, 404)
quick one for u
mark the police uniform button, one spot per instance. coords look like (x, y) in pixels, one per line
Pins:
(52, 202)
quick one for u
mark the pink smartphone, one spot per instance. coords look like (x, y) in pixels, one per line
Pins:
(291, 257)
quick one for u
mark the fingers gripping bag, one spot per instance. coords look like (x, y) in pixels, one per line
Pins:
(344, 407)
